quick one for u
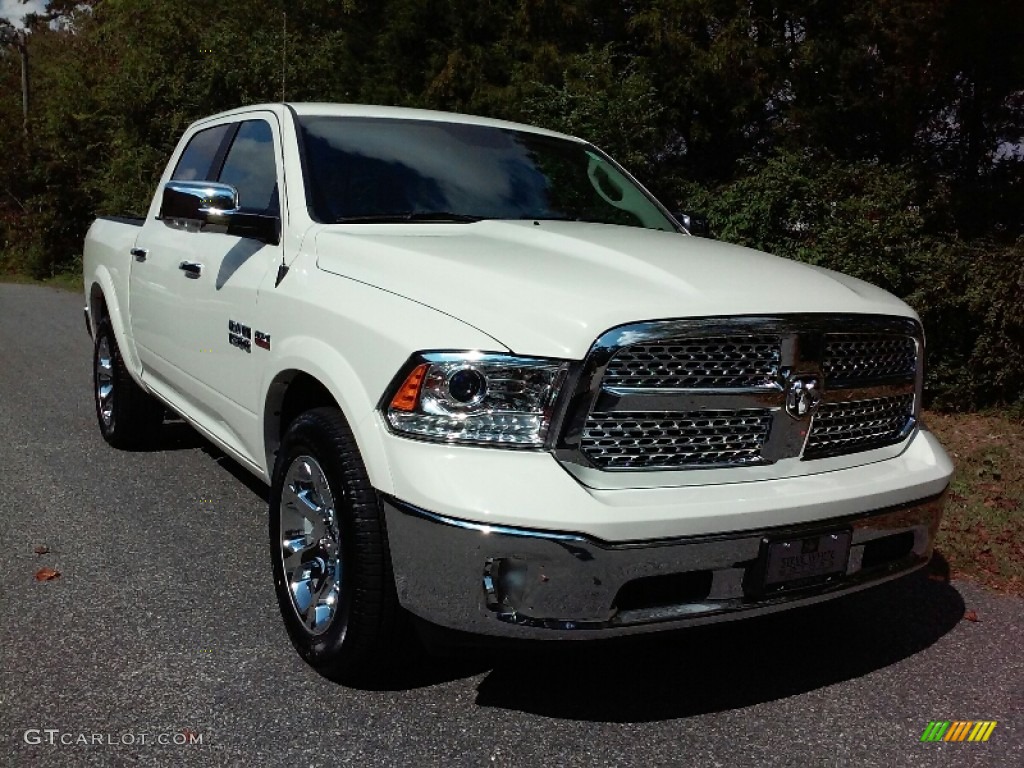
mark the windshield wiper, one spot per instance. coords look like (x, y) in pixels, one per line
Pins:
(546, 218)
(411, 216)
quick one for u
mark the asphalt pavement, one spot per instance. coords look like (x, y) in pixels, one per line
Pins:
(160, 642)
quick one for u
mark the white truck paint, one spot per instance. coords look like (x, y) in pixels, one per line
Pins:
(336, 313)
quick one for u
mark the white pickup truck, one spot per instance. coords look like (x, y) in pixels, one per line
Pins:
(495, 385)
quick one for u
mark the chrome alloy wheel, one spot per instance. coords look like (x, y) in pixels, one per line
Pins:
(105, 381)
(310, 544)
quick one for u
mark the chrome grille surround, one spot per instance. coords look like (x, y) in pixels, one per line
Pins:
(686, 394)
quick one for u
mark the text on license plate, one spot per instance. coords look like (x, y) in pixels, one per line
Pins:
(808, 557)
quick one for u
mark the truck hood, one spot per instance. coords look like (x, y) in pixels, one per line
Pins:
(551, 288)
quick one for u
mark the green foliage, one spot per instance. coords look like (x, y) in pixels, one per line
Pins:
(858, 218)
(606, 99)
(971, 300)
(873, 137)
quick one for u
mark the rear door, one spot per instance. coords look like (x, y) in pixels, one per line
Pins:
(156, 283)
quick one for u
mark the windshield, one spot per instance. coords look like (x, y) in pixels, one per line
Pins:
(365, 170)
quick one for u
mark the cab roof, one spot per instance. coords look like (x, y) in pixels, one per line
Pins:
(325, 109)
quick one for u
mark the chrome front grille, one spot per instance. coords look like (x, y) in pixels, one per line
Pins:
(716, 362)
(624, 440)
(733, 392)
(858, 425)
(851, 357)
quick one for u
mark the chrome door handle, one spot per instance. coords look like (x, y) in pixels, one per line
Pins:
(140, 254)
(191, 269)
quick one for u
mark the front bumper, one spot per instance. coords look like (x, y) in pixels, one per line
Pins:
(516, 582)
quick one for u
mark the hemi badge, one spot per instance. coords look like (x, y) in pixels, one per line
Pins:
(262, 339)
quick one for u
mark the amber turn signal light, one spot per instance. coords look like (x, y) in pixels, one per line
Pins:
(407, 395)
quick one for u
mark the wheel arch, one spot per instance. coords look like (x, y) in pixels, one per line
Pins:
(97, 306)
(103, 304)
(301, 386)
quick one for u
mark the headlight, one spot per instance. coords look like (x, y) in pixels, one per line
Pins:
(471, 397)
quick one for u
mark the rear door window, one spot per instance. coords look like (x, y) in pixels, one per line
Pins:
(198, 160)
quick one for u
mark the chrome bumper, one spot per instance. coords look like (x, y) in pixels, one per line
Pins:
(512, 582)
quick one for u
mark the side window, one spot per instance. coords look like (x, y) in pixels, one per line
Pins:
(250, 168)
(197, 160)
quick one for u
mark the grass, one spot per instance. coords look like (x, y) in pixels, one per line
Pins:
(65, 281)
(982, 533)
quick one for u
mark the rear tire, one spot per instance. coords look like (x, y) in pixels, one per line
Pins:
(129, 417)
(331, 564)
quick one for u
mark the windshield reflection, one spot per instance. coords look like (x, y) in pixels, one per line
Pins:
(367, 170)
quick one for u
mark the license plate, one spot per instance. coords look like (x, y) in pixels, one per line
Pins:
(810, 558)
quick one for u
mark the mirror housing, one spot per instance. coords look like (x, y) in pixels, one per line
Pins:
(693, 223)
(211, 206)
(199, 201)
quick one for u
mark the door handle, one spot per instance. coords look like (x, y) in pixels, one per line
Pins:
(191, 269)
(140, 254)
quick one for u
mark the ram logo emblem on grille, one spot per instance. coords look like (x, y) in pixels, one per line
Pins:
(803, 393)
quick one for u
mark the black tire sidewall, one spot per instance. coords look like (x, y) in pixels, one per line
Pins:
(135, 415)
(307, 436)
(105, 330)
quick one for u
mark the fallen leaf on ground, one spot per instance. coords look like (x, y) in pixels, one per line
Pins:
(47, 574)
(971, 616)
(42, 549)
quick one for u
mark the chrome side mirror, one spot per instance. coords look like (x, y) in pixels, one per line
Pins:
(211, 206)
(199, 201)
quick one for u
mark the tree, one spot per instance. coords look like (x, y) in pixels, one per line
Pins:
(881, 137)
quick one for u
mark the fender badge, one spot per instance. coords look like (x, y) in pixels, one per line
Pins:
(262, 339)
(239, 336)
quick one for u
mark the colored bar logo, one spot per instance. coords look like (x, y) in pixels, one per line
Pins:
(958, 730)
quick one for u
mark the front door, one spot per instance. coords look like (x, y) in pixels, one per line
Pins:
(201, 319)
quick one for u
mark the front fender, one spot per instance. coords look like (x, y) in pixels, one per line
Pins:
(321, 361)
(353, 339)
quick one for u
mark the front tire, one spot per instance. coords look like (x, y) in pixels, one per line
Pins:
(129, 417)
(332, 568)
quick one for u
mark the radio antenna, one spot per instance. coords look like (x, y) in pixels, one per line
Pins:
(284, 50)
